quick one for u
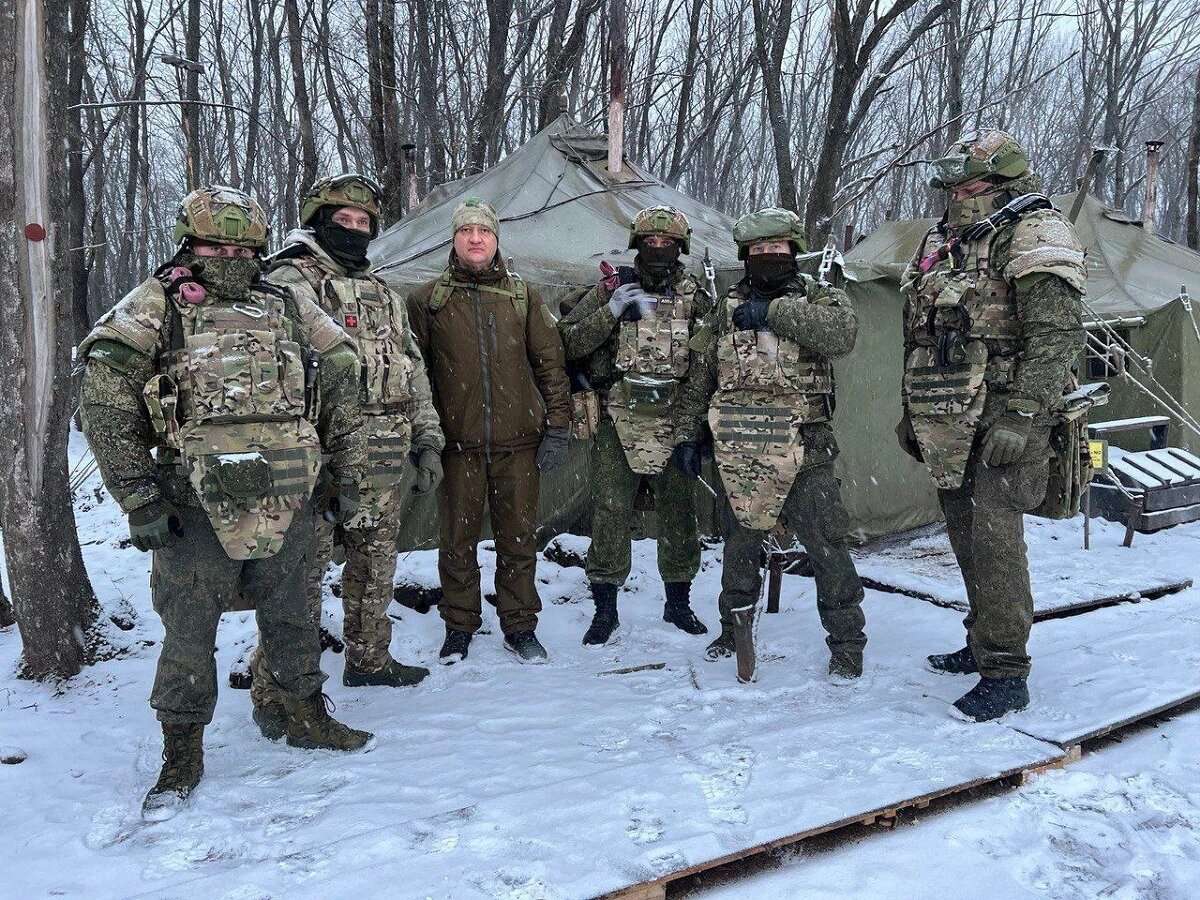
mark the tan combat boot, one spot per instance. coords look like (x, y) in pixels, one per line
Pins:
(183, 764)
(310, 726)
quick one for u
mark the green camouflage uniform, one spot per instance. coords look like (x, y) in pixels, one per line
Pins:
(631, 444)
(398, 418)
(1023, 333)
(236, 448)
(767, 397)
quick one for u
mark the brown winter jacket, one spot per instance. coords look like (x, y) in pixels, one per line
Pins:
(498, 382)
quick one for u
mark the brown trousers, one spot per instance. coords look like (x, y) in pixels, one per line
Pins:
(509, 485)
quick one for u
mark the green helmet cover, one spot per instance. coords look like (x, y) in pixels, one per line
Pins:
(770, 224)
(664, 221)
(350, 189)
(982, 154)
(221, 215)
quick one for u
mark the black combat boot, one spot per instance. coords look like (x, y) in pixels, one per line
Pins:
(846, 662)
(604, 621)
(526, 646)
(993, 697)
(455, 647)
(311, 727)
(678, 609)
(960, 662)
(183, 764)
(723, 646)
(271, 719)
(393, 674)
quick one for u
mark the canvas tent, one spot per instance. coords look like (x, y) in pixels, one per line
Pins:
(560, 215)
(1134, 283)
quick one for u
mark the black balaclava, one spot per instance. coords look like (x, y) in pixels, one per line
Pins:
(228, 278)
(770, 273)
(347, 246)
(657, 264)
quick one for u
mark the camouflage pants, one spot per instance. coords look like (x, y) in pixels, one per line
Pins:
(813, 513)
(986, 523)
(194, 581)
(614, 485)
(366, 588)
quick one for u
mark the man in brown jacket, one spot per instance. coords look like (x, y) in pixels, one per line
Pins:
(500, 387)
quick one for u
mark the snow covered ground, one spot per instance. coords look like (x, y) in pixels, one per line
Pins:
(496, 780)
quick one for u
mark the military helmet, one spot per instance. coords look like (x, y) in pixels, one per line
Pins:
(979, 155)
(221, 215)
(770, 224)
(351, 189)
(665, 221)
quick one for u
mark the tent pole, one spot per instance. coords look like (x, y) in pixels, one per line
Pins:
(1150, 204)
(1085, 183)
(616, 103)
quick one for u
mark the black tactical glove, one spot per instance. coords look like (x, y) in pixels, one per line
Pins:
(686, 459)
(1005, 441)
(751, 314)
(343, 502)
(151, 527)
(908, 438)
(552, 451)
(429, 470)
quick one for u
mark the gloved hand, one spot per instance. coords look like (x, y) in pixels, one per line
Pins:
(908, 438)
(151, 527)
(629, 300)
(1005, 441)
(343, 503)
(751, 314)
(552, 451)
(429, 470)
(686, 458)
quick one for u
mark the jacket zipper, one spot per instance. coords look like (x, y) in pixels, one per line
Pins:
(485, 369)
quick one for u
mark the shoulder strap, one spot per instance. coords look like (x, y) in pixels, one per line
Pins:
(520, 299)
(1010, 214)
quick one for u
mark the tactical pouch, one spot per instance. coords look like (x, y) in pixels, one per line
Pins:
(646, 393)
(585, 414)
(242, 477)
(161, 397)
(1070, 463)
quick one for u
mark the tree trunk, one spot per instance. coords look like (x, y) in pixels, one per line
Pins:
(191, 111)
(52, 598)
(303, 107)
(769, 49)
(1193, 172)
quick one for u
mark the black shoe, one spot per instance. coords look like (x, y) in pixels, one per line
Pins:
(394, 674)
(960, 662)
(604, 621)
(723, 646)
(455, 647)
(526, 646)
(678, 610)
(993, 697)
(846, 664)
(271, 719)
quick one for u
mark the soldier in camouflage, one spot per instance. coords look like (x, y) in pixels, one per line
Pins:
(992, 327)
(200, 403)
(629, 335)
(760, 376)
(325, 261)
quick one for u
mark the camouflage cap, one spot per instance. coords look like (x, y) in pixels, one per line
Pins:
(665, 221)
(978, 155)
(350, 189)
(221, 215)
(770, 224)
(474, 211)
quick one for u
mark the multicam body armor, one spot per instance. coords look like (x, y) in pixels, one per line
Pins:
(767, 388)
(652, 359)
(962, 329)
(230, 401)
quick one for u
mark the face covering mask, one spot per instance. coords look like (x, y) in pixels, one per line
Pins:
(658, 262)
(346, 245)
(971, 209)
(770, 272)
(228, 278)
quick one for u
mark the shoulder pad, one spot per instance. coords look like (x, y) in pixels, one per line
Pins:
(136, 321)
(1044, 241)
(121, 357)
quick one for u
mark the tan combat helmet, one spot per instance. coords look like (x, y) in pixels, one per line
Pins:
(978, 155)
(770, 224)
(351, 189)
(221, 215)
(665, 221)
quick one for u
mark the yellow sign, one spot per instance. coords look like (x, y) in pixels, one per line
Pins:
(1099, 454)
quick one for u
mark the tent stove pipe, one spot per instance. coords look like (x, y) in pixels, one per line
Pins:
(616, 103)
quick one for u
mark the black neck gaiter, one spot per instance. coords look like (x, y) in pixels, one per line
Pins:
(771, 273)
(347, 246)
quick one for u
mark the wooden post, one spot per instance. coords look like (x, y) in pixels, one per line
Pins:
(1150, 204)
(775, 577)
(1085, 183)
(410, 172)
(191, 109)
(616, 103)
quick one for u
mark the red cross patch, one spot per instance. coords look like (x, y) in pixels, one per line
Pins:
(351, 321)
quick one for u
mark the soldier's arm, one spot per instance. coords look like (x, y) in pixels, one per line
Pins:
(339, 419)
(821, 320)
(696, 391)
(116, 423)
(588, 325)
(426, 426)
(545, 350)
(1050, 312)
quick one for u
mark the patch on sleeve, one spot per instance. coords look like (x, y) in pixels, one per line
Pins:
(116, 355)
